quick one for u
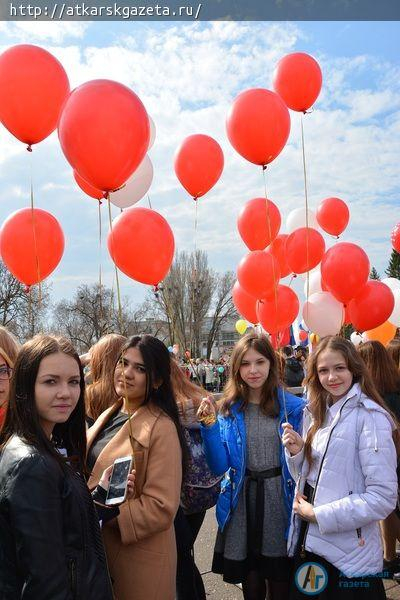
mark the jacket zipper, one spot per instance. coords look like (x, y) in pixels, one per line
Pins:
(303, 551)
(72, 576)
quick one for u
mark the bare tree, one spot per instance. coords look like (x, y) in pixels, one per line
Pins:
(22, 311)
(223, 307)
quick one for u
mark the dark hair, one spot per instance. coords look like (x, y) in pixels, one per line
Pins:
(157, 363)
(236, 388)
(287, 351)
(22, 417)
(393, 349)
(381, 367)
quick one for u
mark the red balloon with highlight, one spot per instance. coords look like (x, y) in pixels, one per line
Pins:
(258, 274)
(345, 269)
(244, 303)
(298, 80)
(199, 162)
(372, 306)
(258, 223)
(279, 311)
(333, 215)
(305, 248)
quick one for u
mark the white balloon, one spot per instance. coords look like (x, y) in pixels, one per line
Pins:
(323, 314)
(356, 338)
(297, 218)
(314, 283)
(136, 187)
(152, 132)
(394, 318)
(392, 283)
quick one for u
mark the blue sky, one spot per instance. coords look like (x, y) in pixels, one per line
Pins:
(187, 76)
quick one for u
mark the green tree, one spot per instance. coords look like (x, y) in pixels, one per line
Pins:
(374, 274)
(393, 269)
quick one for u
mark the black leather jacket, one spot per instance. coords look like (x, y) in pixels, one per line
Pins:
(50, 541)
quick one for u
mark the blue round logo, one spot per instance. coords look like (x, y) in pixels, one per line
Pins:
(311, 578)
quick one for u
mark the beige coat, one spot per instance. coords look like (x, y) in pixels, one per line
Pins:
(140, 543)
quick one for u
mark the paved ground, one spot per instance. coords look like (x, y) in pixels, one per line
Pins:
(218, 590)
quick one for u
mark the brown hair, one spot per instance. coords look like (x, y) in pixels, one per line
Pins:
(318, 395)
(236, 388)
(100, 394)
(9, 346)
(22, 417)
(381, 367)
(184, 389)
(393, 349)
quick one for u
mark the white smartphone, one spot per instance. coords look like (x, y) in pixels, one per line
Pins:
(116, 493)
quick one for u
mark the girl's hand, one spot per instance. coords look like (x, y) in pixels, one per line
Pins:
(291, 439)
(206, 413)
(303, 508)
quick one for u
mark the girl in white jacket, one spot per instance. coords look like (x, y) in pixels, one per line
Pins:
(345, 472)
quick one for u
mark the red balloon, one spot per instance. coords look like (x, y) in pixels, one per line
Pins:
(346, 318)
(141, 244)
(104, 133)
(372, 306)
(245, 304)
(396, 237)
(333, 215)
(298, 80)
(258, 125)
(344, 270)
(258, 223)
(199, 162)
(278, 249)
(33, 88)
(31, 244)
(258, 274)
(87, 188)
(305, 248)
(279, 311)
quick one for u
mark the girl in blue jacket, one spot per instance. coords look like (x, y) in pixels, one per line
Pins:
(256, 497)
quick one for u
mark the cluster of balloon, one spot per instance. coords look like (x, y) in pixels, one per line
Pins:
(31, 244)
(141, 244)
(33, 89)
(199, 162)
(104, 132)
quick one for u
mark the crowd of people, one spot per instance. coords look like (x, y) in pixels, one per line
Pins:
(305, 484)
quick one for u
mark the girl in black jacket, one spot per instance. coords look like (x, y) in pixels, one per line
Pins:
(50, 543)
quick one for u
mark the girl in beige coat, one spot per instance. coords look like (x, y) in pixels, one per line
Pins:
(140, 542)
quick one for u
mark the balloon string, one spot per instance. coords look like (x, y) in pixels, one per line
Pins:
(120, 320)
(194, 279)
(148, 198)
(100, 269)
(264, 168)
(306, 203)
(35, 238)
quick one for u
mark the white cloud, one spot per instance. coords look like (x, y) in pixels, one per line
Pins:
(44, 31)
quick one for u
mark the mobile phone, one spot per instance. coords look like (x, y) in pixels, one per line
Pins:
(117, 487)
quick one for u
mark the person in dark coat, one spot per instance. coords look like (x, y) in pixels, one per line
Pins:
(50, 543)
(293, 371)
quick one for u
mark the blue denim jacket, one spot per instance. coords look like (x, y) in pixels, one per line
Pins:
(225, 449)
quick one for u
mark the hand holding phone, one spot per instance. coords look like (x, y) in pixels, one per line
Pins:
(121, 483)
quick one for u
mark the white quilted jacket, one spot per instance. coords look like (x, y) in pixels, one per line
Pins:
(356, 487)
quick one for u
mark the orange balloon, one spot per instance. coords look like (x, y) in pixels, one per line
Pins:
(384, 333)
(258, 274)
(258, 223)
(141, 244)
(305, 248)
(258, 125)
(199, 162)
(31, 244)
(104, 132)
(298, 80)
(87, 188)
(33, 88)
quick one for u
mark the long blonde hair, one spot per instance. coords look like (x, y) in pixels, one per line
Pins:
(318, 395)
(101, 394)
(236, 388)
(9, 346)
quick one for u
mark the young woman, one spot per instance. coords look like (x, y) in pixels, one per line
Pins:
(386, 377)
(100, 393)
(199, 487)
(9, 347)
(345, 469)
(256, 496)
(140, 543)
(50, 543)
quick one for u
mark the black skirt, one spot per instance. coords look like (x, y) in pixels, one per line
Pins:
(277, 568)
